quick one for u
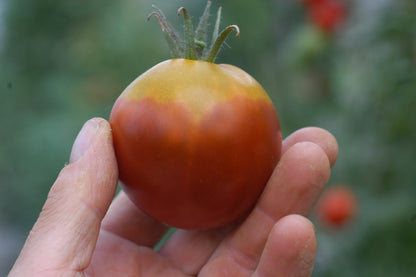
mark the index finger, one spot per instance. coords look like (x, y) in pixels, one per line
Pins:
(319, 136)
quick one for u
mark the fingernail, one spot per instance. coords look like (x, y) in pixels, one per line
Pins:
(84, 140)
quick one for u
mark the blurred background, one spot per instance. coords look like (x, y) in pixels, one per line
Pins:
(348, 66)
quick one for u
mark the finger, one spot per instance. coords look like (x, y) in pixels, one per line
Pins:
(127, 221)
(65, 234)
(290, 249)
(316, 135)
(293, 188)
(204, 243)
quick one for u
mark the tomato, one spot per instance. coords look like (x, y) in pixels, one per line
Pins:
(312, 2)
(337, 206)
(327, 15)
(195, 141)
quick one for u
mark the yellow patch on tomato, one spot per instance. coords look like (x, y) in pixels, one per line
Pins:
(196, 85)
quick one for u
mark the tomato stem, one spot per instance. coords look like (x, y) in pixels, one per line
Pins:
(171, 36)
(194, 46)
(212, 54)
(190, 52)
(201, 32)
(217, 26)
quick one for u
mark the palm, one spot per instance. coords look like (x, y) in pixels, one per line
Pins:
(186, 253)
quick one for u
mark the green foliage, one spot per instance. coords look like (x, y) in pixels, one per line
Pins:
(63, 62)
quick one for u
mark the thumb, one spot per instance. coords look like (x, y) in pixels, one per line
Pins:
(65, 234)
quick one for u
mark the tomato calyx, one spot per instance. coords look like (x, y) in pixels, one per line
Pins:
(195, 44)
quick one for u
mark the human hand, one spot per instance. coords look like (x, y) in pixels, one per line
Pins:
(78, 233)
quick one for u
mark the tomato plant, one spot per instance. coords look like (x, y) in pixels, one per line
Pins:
(337, 206)
(195, 141)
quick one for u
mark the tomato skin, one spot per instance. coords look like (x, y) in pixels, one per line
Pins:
(337, 206)
(195, 142)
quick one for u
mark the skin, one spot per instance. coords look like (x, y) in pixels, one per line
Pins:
(81, 231)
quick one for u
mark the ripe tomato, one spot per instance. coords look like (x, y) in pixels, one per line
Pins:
(312, 2)
(337, 206)
(327, 15)
(195, 141)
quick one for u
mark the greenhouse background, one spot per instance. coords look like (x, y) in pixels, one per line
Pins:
(352, 72)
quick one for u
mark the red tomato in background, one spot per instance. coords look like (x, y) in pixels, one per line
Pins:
(312, 2)
(327, 15)
(196, 142)
(337, 206)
